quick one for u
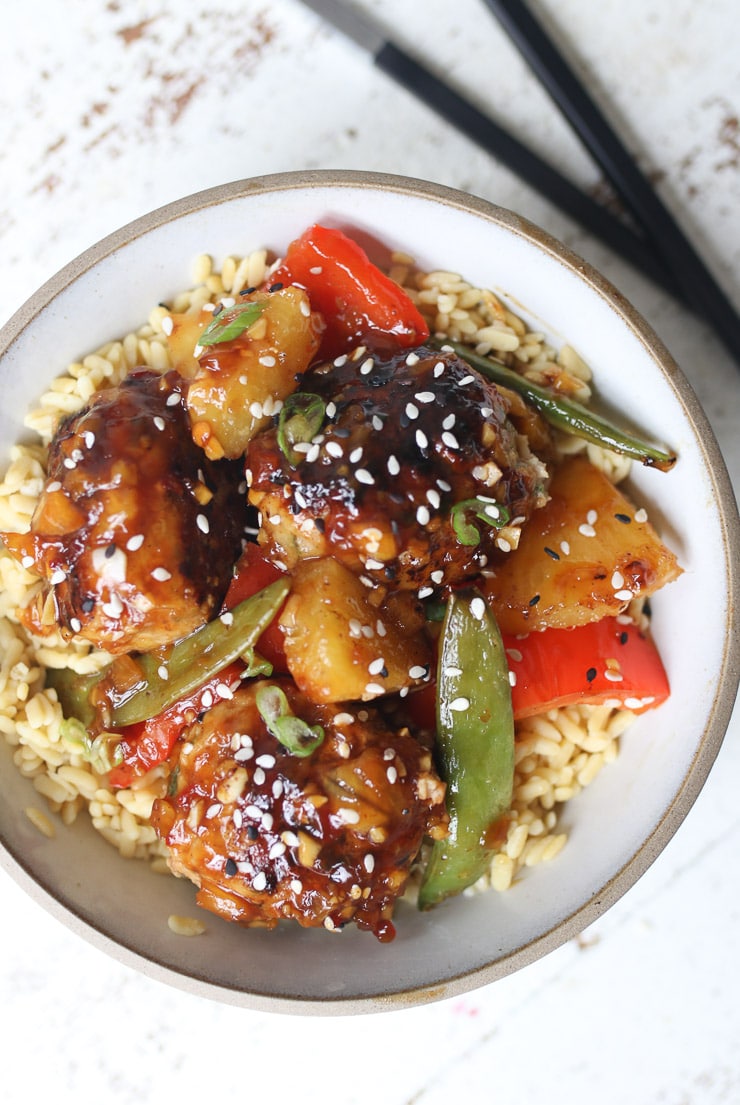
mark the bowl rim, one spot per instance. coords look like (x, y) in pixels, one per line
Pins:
(728, 678)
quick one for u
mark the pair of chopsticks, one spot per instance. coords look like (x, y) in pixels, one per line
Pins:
(675, 252)
(654, 243)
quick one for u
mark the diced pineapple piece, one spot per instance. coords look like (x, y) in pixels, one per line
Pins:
(236, 386)
(341, 648)
(583, 556)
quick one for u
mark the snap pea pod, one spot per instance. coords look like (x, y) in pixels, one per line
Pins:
(164, 681)
(565, 414)
(475, 744)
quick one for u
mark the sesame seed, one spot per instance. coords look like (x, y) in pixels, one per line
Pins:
(355, 627)
(340, 361)
(313, 453)
(448, 422)
(613, 676)
(433, 498)
(586, 530)
(223, 691)
(465, 381)
(375, 667)
(443, 485)
(437, 576)
(425, 396)
(238, 818)
(267, 360)
(617, 581)
(135, 542)
(423, 516)
(256, 409)
(417, 671)
(266, 760)
(161, 575)
(202, 523)
(369, 863)
(316, 270)
(243, 754)
(57, 576)
(227, 618)
(75, 625)
(459, 705)
(412, 410)
(393, 466)
(163, 673)
(277, 849)
(374, 689)
(392, 774)
(348, 816)
(623, 595)
(591, 517)
(450, 440)
(355, 455)
(380, 628)
(305, 309)
(168, 325)
(512, 679)
(367, 366)
(424, 592)
(277, 789)
(259, 882)
(412, 359)
(478, 608)
(296, 886)
(641, 515)
(343, 718)
(565, 548)
(421, 439)
(438, 369)
(377, 422)
(159, 422)
(363, 476)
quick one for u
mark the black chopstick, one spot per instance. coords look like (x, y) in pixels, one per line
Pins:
(699, 287)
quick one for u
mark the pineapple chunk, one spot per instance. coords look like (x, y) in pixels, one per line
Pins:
(338, 646)
(236, 386)
(583, 556)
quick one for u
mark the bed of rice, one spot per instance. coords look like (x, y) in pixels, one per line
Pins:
(557, 754)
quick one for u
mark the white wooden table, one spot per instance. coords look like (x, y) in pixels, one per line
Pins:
(111, 109)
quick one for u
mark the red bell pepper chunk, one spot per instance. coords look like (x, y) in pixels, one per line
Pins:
(360, 304)
(150, 742)
(590, 665)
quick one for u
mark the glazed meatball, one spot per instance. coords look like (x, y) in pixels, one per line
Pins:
(404, 441)
(136, 531)
(322, 839)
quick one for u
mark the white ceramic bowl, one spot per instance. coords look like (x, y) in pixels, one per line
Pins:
(617, 826)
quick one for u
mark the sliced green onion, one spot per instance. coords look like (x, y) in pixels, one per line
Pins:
(230, 323)
(301, 418)
(488, 511)
(296, 735)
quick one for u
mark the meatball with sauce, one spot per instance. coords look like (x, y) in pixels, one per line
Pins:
(406, 440)
(321, 839)
(136, 531)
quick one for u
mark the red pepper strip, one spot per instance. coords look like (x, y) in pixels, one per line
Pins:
(254, 571)
(591, 664)
(358, 301)
(150, 742)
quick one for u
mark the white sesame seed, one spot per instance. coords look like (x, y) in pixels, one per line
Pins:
(512, 679)
(448, 422)
(313, 453)
(465, 381)
(278, 849)
(421, 439)
(267, 821)
(565, 548)
(75, 625)
(238, 818)
(623, 595)
(423, 516)
(244, 754)
(375, 667)
(374, 689)
(55, 485)
(305, 309)
(377, 422)
(617, 581)
(202, 523)
(256, 409)
(57, 576)
(374, 565)
(613, 676)
(173, 399)
(135, 542)
(412, 359)
(363, 476)
(340, 361)
(167, 325)
(443, 485)
(161, 575)
(355, 627)
(334, 449)
(452, 672)
(223, 691)
(369, 863)
(267, 360)
(391, 774)
(367, 366)
(348, 816)
(450, 440)
(256, 812)
(393, 466)
(163, 673)
(412, 410)
(439, 369)
(214, 809)
(259, 882)
(380, 628)
(437, 576)
(343, 718)
(591, 517)
(425, 592)
(641, 515)
(425, 396)
(266, 760)
(478, 608)
(460, 704)
(277, 788)
(417, 671)
(296, 886)
(586, 530)
(159, 422)
(433, 498)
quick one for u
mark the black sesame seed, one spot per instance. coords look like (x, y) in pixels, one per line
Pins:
(218, 310)
(276, 287)
(320, 524)
(247, 291)
(624, 638)
(252, 833)
(534, 600)
(230, 867)
(88, 605)
(552, 553)
(624, 518)
(591, 675)
(110, 551)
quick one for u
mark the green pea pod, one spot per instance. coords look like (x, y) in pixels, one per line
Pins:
(164, 681)
(475, 744)
(565, 414)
